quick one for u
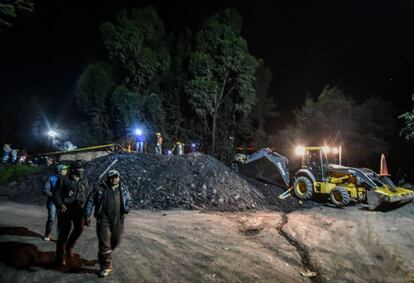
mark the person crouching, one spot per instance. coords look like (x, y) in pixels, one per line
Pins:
(111, 202)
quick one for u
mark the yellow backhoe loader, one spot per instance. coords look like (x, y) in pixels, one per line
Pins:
(318, 176)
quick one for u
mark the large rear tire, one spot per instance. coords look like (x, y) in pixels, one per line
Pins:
(340, 197)
(303, 188)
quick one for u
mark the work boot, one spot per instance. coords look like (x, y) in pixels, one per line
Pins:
(46, 238)
(61, 262)
(60, 254)
(104, 272)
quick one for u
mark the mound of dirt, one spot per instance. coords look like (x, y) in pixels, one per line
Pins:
(191, 181)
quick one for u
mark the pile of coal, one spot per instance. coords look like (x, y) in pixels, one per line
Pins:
(195, 181)
(190, 181)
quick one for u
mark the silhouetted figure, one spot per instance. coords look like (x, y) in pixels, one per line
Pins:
(69, 198)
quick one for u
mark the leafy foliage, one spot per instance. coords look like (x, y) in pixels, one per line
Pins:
(15, 172)
(10, 9)
(222, 71)
(137, 43)
(408, 130)
(93, 91)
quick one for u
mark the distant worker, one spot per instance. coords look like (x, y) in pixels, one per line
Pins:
(47, 190)
(158, 146)
(140, 139)
(193, 147)
(14, 155)
(23, 156)
(69, 198)
(6, 153)
(111, 201)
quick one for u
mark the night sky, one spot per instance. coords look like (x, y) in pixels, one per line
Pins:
(364, 47)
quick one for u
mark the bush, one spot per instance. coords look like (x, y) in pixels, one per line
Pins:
(15, 172)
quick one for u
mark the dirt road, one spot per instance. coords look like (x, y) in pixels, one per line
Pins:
(347, 245)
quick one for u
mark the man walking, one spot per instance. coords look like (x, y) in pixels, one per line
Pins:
(47, 190)
(140, 139)
(69, 198)
(158, 146)
(111, 201)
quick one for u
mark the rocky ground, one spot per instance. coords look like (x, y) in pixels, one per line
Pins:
(332, 245)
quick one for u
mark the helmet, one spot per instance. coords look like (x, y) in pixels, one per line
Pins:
(158, 134)
(113, 173)
(61, 167)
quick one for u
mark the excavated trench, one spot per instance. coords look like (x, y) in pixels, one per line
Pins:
(301, 248)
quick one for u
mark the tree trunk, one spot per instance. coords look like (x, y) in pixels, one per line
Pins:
(213, 134)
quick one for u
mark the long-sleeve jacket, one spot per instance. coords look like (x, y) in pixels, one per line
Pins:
(69, 191)
(50, 186)
(96, 198)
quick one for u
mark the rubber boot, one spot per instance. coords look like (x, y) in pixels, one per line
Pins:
(60, 254)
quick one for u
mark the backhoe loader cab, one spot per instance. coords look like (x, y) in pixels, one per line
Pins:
(318, 176)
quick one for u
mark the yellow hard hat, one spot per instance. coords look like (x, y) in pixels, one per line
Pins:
(158, 134)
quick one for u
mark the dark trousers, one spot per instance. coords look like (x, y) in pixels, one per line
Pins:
(73, 216)
(109, 235)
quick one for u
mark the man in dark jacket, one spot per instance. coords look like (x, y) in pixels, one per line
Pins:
(111, 201)
(69, 198)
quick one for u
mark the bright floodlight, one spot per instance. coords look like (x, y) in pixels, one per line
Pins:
(138, 132)
(326, 149)
(335, 150)
(52, 133)
(300, 150)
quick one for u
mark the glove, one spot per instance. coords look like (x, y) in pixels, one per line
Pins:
(63, 208)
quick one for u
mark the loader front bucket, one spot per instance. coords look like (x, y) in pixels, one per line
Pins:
(383, 195)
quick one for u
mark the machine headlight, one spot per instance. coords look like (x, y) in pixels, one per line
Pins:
(300, 150)
(326, 149)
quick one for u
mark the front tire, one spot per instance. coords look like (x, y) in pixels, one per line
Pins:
(303, 188)
(340, 197)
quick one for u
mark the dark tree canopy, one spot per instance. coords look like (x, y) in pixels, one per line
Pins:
(408, 130)
(362, 129)
(221, 78)
(10, 9)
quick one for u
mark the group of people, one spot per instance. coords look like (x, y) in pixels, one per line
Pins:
(140, 140)
(13, 155)
(67, 200)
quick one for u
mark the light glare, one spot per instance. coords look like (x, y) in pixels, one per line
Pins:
(300, 150)
(52, 133)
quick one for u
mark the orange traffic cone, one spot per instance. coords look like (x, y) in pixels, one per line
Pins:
(383, 166)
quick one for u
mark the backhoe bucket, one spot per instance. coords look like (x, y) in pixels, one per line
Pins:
(268, 166)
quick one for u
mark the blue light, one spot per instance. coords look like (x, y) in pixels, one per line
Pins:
(138, 132)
